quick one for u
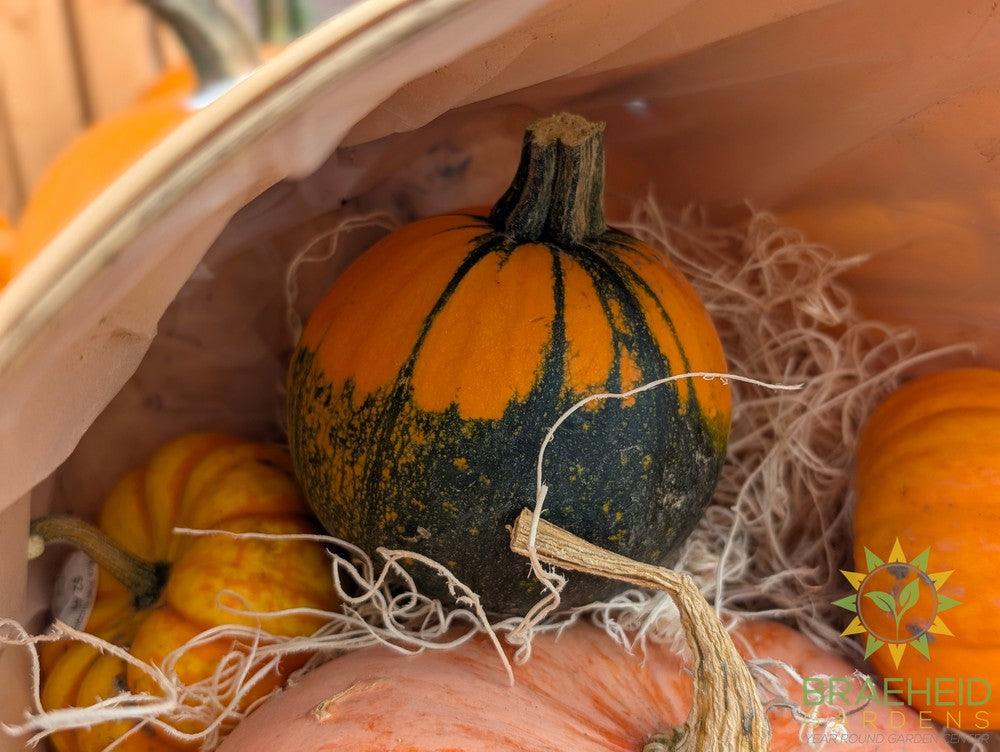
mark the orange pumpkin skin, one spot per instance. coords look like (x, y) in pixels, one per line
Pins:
(928, 474)
(176, 81)
(202, 481)
(580, 691)
(88, 165)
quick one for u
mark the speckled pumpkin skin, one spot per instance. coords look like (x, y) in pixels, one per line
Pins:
(425, 381)
(203, 481)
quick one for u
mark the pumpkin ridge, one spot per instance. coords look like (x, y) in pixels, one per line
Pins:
(485, 245)
(640, 342)
(479, 221)
(615, 239)
(134, 482)
(627, 272)
(479, 224)
(614, 377)
(402, 387)
(553, 371)
(637, 280)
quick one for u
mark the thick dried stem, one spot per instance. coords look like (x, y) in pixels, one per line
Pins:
(727, 715)
(557, 194)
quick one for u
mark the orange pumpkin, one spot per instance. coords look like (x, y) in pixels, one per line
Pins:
(156, 590)
(579, 691)
(928, 475)
(428, 376)
(220, 49)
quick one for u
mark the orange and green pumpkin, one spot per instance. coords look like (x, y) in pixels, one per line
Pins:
(427, 378)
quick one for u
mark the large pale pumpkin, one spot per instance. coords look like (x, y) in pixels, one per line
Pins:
(427, 378)
(156, 590)
(928, 475)
(580, 692)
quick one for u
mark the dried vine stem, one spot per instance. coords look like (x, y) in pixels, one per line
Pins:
(727, 715)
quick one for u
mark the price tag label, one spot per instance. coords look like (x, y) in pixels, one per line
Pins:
(75, 590)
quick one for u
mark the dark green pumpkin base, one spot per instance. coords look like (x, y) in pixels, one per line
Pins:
(632, 479)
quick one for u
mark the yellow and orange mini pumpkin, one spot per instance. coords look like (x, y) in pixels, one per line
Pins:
(156, 589)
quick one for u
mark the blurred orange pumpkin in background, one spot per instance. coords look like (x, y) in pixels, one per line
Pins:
(220, 49)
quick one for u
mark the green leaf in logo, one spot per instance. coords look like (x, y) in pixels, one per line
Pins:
(909, 596)
(884, 601)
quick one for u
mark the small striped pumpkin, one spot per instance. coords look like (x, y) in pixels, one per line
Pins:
(426, 379)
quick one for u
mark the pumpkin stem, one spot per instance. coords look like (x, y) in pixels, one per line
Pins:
(558, 190)
(145, 579)
(727, 715)
(281, 21)
(217, 39)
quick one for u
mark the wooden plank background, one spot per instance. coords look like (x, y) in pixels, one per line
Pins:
(66, 63)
